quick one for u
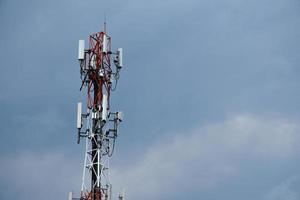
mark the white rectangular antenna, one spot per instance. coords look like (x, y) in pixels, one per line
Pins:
(120, 57)
(70, 196)
(104, 44)
(120, 116)
(81, 50)
(93, 61)
(79, 112)
(104, 108)
(122, 195)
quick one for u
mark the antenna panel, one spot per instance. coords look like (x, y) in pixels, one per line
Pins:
(81, 50)
(104, 44)
(120, 116)
(104, 108)
(120, 57)
(79, 112)
(93, 61)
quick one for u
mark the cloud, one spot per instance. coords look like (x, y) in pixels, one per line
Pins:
(39, 176)
(285, 190)
(210, 157)
(231, 158)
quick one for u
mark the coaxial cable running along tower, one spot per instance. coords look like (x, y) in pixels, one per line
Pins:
(98, 126)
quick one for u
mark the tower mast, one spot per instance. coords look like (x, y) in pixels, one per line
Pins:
(98, 126)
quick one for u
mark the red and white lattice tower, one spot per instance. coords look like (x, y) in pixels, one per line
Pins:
(98, 126)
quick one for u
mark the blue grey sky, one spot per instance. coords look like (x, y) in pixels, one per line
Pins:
(210, 92)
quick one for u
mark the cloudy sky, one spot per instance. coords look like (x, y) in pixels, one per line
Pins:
(210, 92)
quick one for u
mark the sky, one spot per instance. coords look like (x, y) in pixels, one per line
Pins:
(209, 89)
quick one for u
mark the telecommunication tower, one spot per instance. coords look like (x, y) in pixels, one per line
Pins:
(98, 126)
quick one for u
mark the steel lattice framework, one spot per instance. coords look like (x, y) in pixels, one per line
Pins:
(98, 126)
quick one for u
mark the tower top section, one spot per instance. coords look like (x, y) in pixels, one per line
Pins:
(96, 67)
